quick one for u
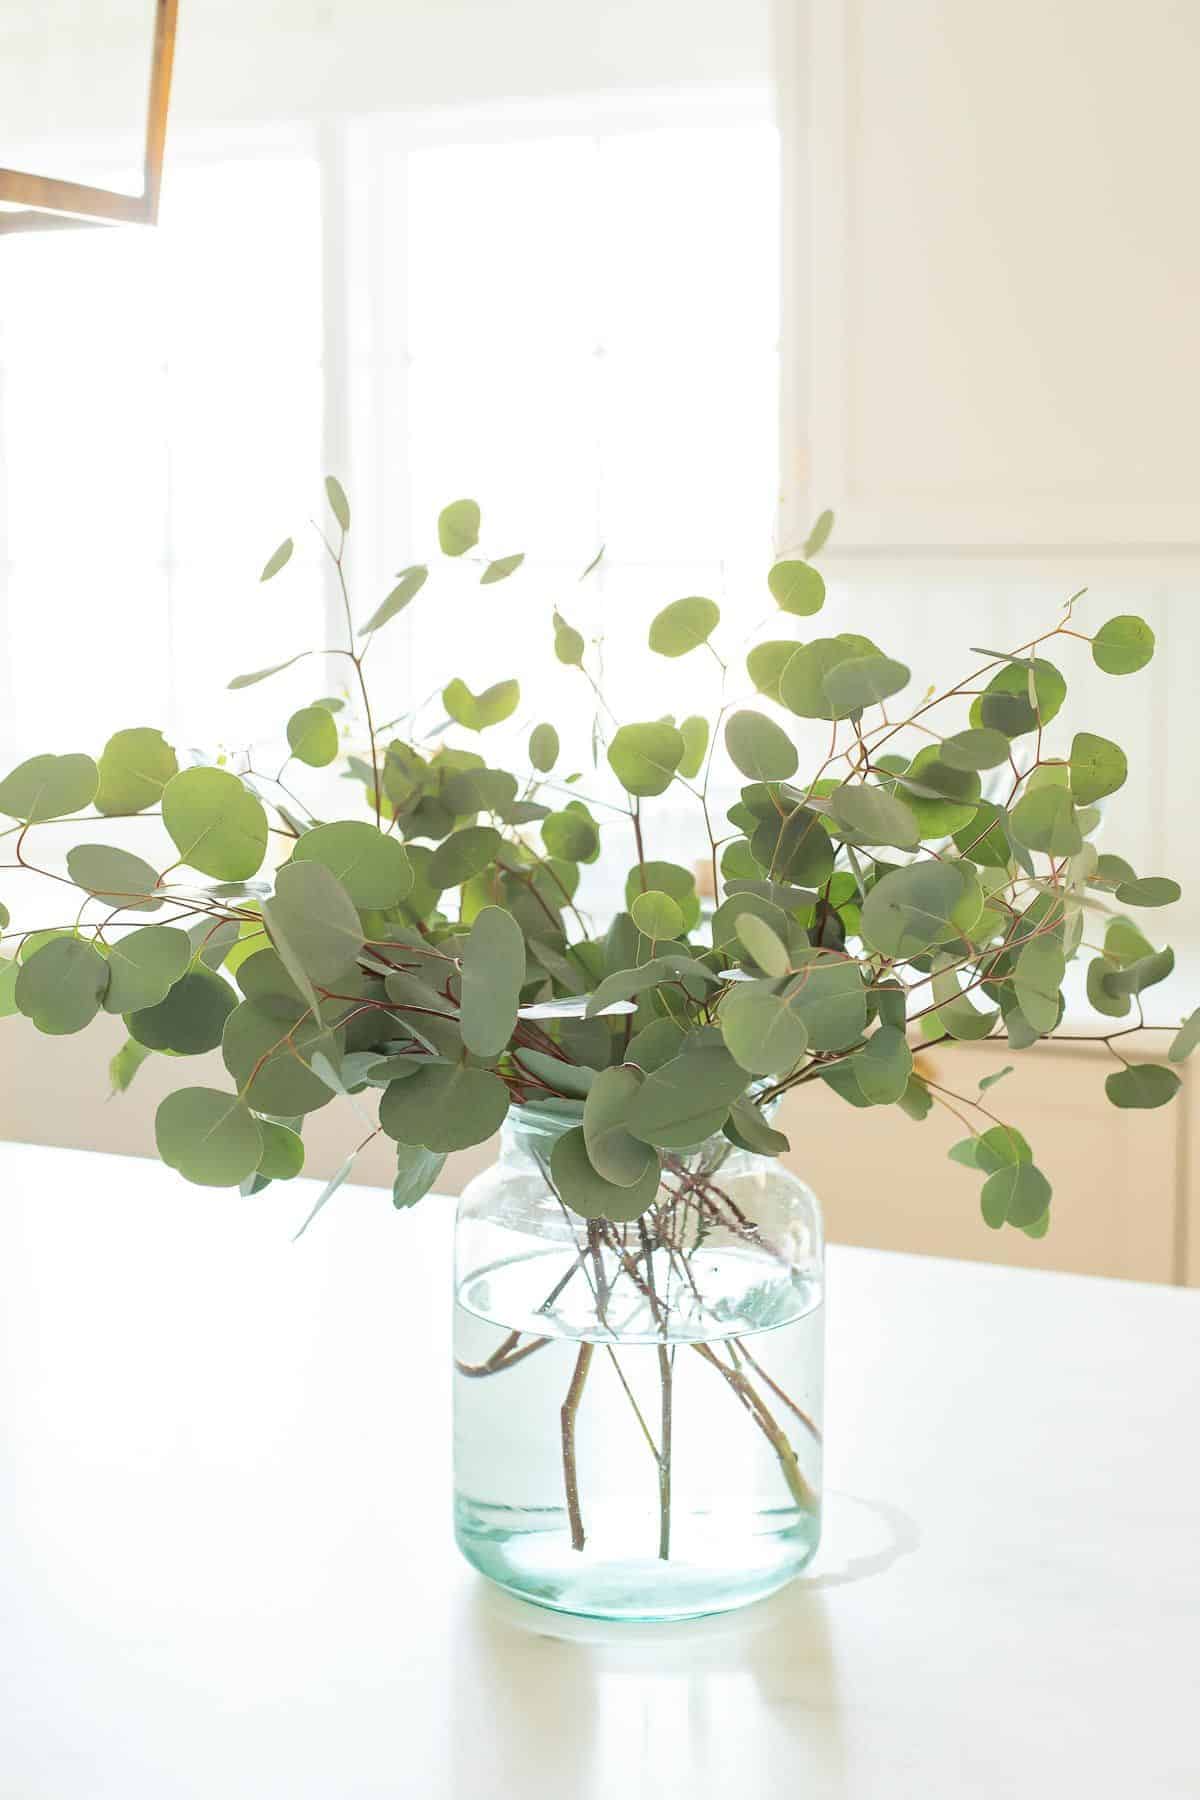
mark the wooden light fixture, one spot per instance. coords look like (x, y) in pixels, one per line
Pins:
(45, 203)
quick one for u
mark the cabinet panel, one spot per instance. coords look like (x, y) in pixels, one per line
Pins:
(995, 272)
(887, 1182)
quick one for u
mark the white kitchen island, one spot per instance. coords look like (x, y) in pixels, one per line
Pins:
(227, 1572)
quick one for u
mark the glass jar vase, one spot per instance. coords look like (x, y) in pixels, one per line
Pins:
(637, 1411)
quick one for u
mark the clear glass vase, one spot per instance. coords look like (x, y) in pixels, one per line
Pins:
(637, 1425)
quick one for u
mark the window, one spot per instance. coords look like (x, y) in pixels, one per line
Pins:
(160, 408)
(570, 316)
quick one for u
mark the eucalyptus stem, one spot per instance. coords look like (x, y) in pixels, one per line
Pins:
(767, 1423)
(570, 1410)
(666, 1388)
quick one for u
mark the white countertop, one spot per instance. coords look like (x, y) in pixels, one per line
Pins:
(226, 1567)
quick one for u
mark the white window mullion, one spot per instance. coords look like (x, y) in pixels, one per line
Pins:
(336, 433)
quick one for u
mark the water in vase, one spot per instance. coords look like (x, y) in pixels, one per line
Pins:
(664, 1465)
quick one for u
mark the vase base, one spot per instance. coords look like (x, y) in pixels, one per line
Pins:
(715, 1566)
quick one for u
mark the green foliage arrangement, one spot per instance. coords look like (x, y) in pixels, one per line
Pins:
(428, 950)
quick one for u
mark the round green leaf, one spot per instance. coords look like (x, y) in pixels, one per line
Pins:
(581, 1188)
(1123, 645)
(828, 994)
(613, 1152)
(795, 850)
(268, 1045)
(49, 787)
(694, 732)
(215, 823)
(282, 1152)
(1098, 767)
(61, 985)
(1044, 820)
(747, 1128)
(1123, 942)
(335, 493)
(1112, 1005)
(909, 910)
(763, 1030)
(656, 915)
(416, 1171)
(143, 967)
(863, 681)
(883, 1066)
(801, 683)
(684, 625)
(874, 816)
(1143, 1085)
(1149, 890)
(943, 799)
(458, 527)
(543, 748)
(190, 1018)
(687, 1099)
(444, 1108)
(212, 1138)
(493, 972)
(475, 712)
(568, 643)
(764, 945)
(463, 854)
(759, 747)
(667, 878)
(766, 662)
(1016, 1195)
(373, 868)
(278, 559)
(979, 748)
(123, 880)
(1001, 1147)
(1037, 978)
(644, 758)
(1146, 971)
(313, 922)
(726, 921)
(312, 736)
(135, 766)
(654, 1045)
(955, 1012)
(983, 837)
(1005, 703)
(572, 834)
(797, 588)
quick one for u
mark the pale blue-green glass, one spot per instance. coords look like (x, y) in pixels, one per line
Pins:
(638, 1411)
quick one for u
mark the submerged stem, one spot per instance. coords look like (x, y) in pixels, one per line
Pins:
(570, 1409)
(809, 1424)
(503, 1356)
(666, 1384)
(666, 1370)
(767, 1423)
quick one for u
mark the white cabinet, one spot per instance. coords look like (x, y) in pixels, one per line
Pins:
(992, 271)
(1121, 1181)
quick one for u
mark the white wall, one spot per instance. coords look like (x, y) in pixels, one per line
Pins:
(992, 282)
